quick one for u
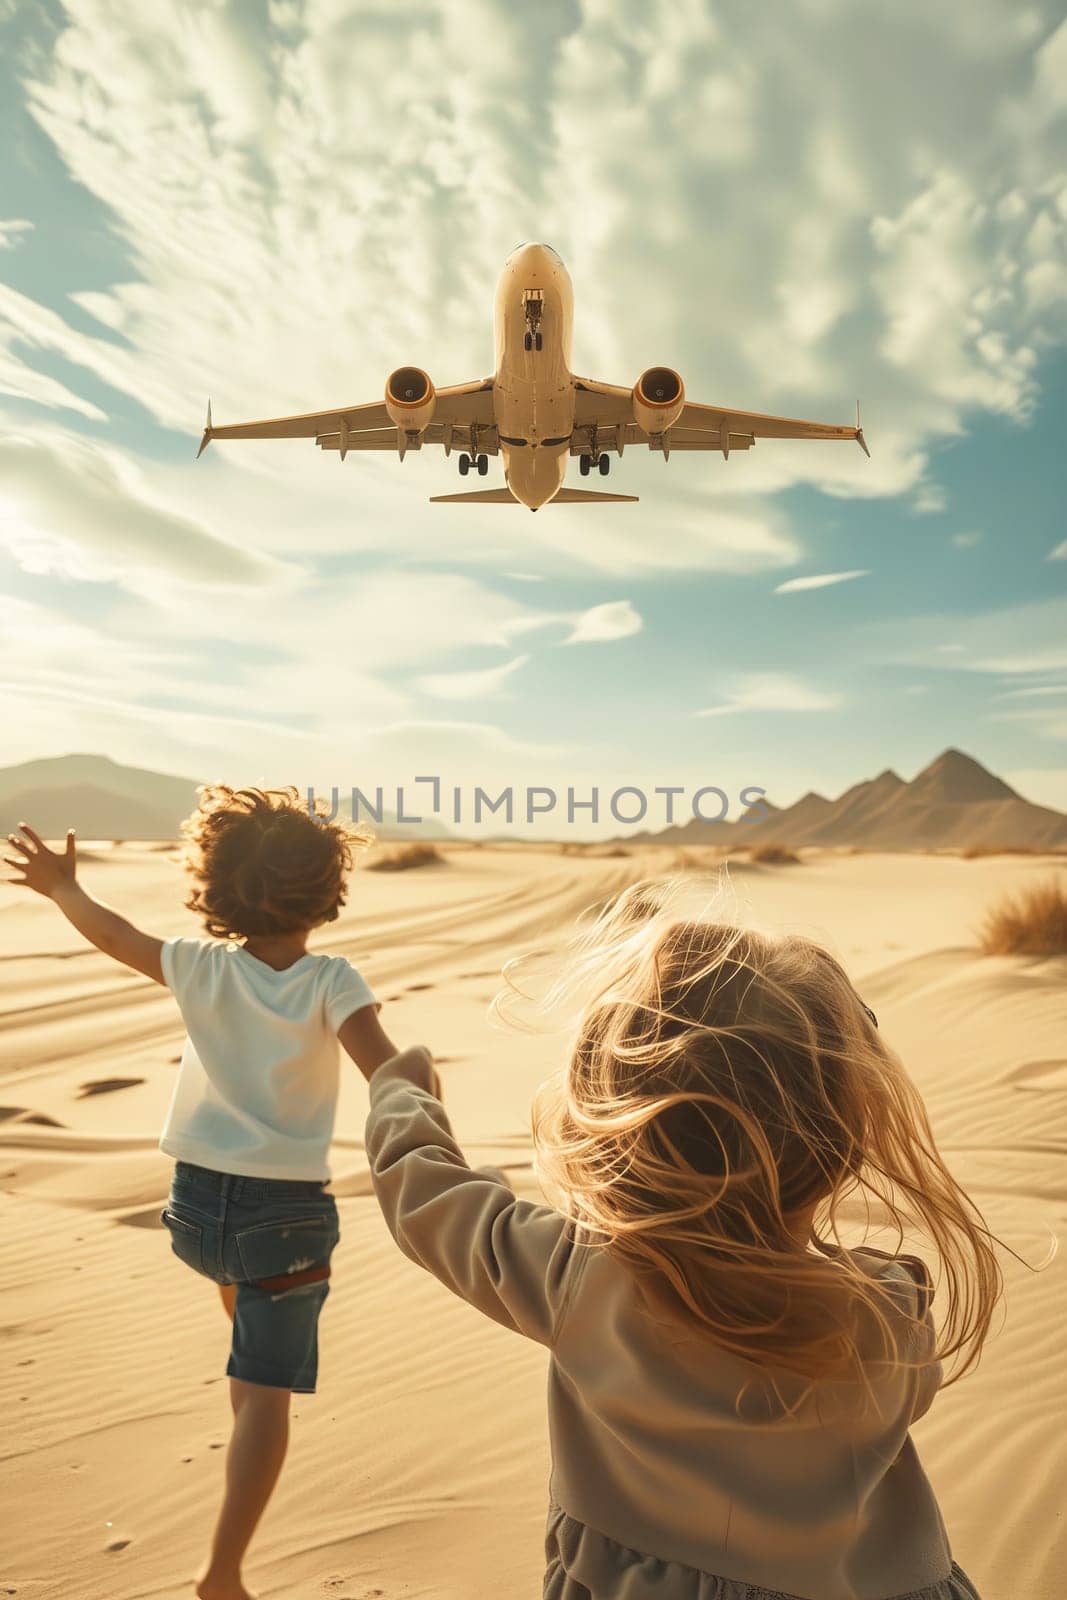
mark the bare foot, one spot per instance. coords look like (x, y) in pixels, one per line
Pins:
(211, 1588)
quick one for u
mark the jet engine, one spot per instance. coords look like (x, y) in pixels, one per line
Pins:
(658, 398)
(410, 398)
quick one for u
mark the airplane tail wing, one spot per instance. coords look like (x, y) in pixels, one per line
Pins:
(504, 497)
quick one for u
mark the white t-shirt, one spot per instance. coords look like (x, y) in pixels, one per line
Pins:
(259, 1076)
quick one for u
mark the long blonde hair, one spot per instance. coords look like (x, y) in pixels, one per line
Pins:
(721, 1083)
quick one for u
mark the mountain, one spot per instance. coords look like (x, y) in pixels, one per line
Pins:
(103, 800)
(954, 803)
(95, 795)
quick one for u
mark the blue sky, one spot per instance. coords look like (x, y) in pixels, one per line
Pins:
(277, 205)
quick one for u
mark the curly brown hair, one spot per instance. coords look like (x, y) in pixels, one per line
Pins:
(263, 864)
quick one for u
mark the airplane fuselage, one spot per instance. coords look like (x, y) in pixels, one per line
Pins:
(534, 388)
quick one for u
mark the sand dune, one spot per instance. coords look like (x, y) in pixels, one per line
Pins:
(419, 1469)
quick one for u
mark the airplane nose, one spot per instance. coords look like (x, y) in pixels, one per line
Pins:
(531, 253)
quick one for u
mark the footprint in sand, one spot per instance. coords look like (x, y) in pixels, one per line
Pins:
(106, 1086)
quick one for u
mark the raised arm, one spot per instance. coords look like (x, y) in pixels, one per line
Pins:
(506, 1256)
(55, 876)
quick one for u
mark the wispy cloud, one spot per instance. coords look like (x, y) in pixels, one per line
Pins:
(1013, 640)
(12, 231)
(821, 580)
(1058, 553)
(479, 684)
(1038, 691)
(768, 691)
(82, 510)
(617, 619)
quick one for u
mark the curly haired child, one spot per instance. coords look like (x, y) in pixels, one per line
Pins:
(253, 1109)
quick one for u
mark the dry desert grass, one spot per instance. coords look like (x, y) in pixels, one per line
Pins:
(1030, 923)
(403, 857)
(975, 852)
(774, 855)
(699, 858)
(595, 852)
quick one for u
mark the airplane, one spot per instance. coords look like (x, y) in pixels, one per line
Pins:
(533, 412)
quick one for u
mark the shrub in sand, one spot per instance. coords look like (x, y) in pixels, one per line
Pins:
(605, 852)
(774, 855)
(975, 852)
(700, 858)
(402, 857)
(1031, 923)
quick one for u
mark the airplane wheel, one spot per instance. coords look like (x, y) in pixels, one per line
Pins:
(527, 342)
(537, 341)
(464, 465)
(483, 466)
(605, 465)
(583, 466)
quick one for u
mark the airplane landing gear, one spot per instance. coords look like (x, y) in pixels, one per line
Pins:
(483, 466)
(605, 464)
(584, 463)
(464, 464)
(532, 305)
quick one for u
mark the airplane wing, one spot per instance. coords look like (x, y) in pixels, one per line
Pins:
(458, 409)
(700, 427)
(459, 438)
(626, 433)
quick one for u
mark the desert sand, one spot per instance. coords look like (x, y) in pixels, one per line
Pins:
(419, 1469)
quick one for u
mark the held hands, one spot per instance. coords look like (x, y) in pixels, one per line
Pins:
(45, 871)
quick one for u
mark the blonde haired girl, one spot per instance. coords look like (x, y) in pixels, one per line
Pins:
(730, 1387)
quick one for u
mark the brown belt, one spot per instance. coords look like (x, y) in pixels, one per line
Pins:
(293, 1280)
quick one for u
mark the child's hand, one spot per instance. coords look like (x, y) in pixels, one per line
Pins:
(44, 870)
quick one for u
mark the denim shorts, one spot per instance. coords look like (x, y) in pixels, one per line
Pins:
(253, 1232)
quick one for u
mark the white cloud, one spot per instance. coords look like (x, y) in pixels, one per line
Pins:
(1059, 553)
(1015, 640)
(867, 251)
(766, 691)
(478, 684)
(23, 382)
(12, 231)
(1036, 692)
(83, 510)
(929, 498)
(617, 619)
(820, 580)
(966, 541)
(1044, 721)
